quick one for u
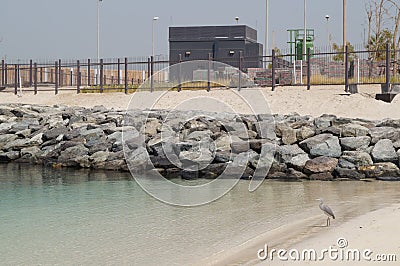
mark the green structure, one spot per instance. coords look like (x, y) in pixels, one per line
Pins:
(296, 40)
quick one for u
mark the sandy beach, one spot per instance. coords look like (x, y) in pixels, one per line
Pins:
(319, 100)
(377, 230)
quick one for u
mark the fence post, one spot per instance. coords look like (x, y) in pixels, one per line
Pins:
(101, 75)
(126, 75)
(180, 73)
(388, 67)
(273, 70)
(119, 71)
(2, 73)
(15, 79)
(30, 72)
(35, 72)
(78, 77)
(346, 67)
(60, 74)
(88, 71)
(56, 77)
(209, 72)
(5, 74)
(308, 68)
(148, 68)
(71, 77)
(151, 74)
(240, 69)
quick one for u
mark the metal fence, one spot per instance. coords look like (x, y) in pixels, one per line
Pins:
(127, 74)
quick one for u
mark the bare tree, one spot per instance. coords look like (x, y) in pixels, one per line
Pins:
(383, 23)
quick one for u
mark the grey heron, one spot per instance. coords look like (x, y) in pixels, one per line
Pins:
(328, 211)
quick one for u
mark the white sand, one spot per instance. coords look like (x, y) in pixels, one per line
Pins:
(285, 100)
(377, 231)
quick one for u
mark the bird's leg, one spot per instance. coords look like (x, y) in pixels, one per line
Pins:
(328, 222)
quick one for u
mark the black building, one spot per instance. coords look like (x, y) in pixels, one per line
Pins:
(222, 43)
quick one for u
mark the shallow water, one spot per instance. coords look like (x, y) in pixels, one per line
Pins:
(66, 216)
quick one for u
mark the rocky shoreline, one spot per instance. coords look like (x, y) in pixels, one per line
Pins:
(202, 144)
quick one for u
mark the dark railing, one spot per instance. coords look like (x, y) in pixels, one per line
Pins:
(320, 68)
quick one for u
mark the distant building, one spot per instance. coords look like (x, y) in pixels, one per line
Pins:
(222, 43)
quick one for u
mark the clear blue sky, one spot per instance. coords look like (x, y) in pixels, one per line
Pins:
(43, 29)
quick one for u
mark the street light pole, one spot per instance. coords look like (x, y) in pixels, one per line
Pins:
(305, 28)
(152, 35)
(98, 38)
(327, 31)
(266, 48)
(344, 24)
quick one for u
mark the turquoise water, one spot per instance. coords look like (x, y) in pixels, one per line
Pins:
(65, 216)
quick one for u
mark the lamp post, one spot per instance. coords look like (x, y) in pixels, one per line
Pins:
(152, 35)
(344, 24)
(98, 38)
(327, 30)
(266, 49)
(305, 28)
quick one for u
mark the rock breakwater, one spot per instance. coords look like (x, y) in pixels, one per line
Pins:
(200, 145)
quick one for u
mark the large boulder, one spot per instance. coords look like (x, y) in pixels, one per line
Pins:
(378, 133)
(322, 145)
(379, 170)
(355, 158)
(54, 133)
(321, 164)
(384, 151)
(348, 173)
(355, 143)
(292, 155)
(354, 130)
(75, 156)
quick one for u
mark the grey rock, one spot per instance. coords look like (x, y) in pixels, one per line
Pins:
(6, 127)
(9, 156)
(16, 144)
(396, 144)
(356, 158)
(305, 133)
(320, 165)
(74, 156)
(329, 130)
(384, 151)
(6, 138)
(54, 133)
(138, 160)
(98, 157)
(266, 129)
(355, 143)
(324, 121)
(378, 133)
(289, 135)
(348, 173)
(346, 164)
(326, 176)
(322, 145)
(395, 123)
(151, 128)
(298, 162)
(240, 146)
(380, 169)
(354, 130)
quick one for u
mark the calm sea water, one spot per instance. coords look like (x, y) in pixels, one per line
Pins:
(64, 216)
